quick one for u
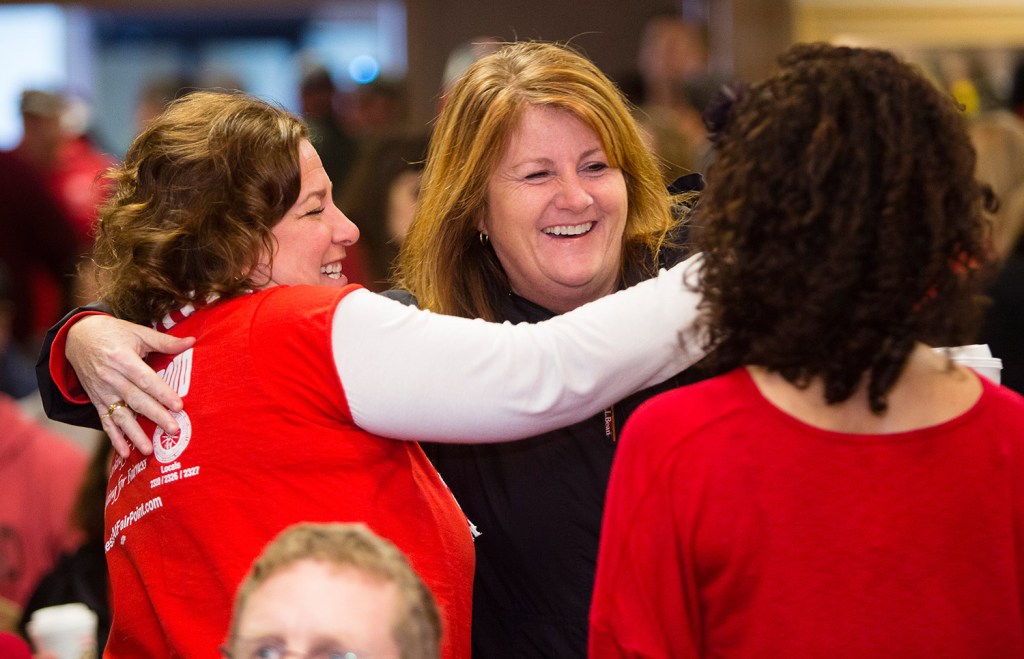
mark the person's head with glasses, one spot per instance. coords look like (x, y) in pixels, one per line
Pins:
(333, 591)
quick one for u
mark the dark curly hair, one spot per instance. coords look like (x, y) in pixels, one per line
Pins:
(195, 201)
(841, 223)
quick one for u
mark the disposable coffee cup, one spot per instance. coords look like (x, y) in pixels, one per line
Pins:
(979, 358)
(67, 631)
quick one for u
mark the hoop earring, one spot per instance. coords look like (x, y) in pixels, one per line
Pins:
(484, 238)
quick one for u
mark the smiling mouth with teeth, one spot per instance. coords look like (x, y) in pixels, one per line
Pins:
(567, 230)
(333, 270)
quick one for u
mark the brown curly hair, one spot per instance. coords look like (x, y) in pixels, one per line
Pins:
(200, 189)
(442, 262)
(841, 222)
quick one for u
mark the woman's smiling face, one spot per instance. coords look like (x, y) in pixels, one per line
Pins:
(556, 211)
(312, 236)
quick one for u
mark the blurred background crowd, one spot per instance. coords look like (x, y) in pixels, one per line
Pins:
(78, 81)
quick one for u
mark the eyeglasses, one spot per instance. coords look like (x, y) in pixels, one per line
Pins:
(276, 649)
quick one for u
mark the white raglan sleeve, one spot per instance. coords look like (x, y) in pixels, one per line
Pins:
(412, 374)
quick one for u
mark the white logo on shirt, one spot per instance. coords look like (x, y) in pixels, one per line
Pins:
(178, 375)
(168, 448)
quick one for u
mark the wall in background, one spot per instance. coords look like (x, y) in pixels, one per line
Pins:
(606, 30)
(109, 46)
(912, 24)
(108, 55)
(121, 44)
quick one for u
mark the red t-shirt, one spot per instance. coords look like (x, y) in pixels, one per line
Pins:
(79, 186)
(267, 441)
(732, 529)
(40, 473)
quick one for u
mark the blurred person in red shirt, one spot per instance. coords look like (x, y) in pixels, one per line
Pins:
(38, 245)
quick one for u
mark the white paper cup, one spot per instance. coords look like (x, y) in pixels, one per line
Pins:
(979, 358)
(991, 368)
(67, 631)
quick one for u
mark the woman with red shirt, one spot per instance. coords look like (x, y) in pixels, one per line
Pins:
(844, 490)
(222, 229)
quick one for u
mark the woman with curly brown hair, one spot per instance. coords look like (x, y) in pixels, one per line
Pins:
(538, 196)
(222, 228)
(845, 490)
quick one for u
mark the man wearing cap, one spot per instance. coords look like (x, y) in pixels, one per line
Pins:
(37, 243)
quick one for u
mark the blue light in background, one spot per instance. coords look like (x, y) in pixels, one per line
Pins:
(33, 49)
(363, 69)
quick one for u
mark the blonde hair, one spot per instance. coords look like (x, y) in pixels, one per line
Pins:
(442, 261)
(998, 138)
(416, 628)
(194, 203)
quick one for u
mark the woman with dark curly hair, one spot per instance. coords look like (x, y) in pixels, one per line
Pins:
(845, 490)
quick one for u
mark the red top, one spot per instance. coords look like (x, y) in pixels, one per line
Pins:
(13, 647)
(77, 180)
(267, 441)
(40, 473)
(734, 530)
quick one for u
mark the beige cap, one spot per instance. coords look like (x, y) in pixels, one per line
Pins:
(42, 104)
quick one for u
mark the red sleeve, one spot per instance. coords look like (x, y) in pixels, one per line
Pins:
(64, 377)
(644, 596)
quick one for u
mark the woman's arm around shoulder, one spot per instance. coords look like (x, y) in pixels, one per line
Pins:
(411, 374)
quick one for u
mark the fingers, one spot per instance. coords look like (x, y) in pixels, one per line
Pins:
(121, 426)
(107, 355)
(114, 385)
(155, 411)
(110, 370)
(116, 438)
(114, 433)
(148, 394)
(129, 426)
(117, 404)
(154, 341)
(145, 394)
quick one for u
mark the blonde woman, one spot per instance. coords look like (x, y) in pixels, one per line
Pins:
(551, 200)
